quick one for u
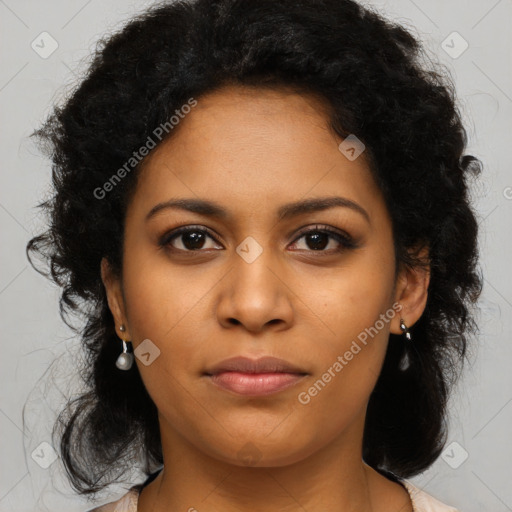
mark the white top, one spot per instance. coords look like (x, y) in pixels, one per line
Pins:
(421, 501)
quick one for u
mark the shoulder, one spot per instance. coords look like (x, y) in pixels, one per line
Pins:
(423, 502)
(127, 503)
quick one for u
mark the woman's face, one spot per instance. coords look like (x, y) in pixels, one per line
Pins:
(247, 280)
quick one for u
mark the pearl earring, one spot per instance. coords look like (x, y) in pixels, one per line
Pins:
(125, 359)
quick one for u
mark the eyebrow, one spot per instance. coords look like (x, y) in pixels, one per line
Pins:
(212, 209)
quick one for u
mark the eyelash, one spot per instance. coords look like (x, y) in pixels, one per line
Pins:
(345, 241)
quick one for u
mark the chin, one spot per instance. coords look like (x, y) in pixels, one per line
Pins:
(258, 449)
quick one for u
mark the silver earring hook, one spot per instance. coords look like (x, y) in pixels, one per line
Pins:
(405, 330)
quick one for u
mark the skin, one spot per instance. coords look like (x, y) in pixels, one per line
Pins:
(251, 151)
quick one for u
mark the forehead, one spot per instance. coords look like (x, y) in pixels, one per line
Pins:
(258, 146)
(258, 115)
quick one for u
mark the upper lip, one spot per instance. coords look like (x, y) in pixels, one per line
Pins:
(248, 365)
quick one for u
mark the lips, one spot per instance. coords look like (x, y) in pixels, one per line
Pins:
(261, 365)
(255, 377)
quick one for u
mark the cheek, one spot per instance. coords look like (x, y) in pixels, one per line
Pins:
(357, 308)
(159, 305)
(159, 296)
(347, 369)
(356, 295)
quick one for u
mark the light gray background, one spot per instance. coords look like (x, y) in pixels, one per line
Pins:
(33, 334)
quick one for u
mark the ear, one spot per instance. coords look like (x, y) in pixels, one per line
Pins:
(115, 298)
(411, 291)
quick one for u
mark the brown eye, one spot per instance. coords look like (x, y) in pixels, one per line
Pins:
(188, 239)
(317, 239)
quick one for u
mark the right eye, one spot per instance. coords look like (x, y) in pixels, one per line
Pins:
(188, 239)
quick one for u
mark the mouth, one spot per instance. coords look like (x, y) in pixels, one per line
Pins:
(255, 377)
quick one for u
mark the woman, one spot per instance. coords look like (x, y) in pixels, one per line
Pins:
(262, 210)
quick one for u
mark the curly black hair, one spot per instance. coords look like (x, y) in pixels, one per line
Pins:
(378, 83)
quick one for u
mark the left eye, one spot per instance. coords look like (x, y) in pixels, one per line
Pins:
(318, 239)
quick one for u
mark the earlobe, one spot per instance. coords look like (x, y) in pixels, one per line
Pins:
(412, 292)
(113, 291)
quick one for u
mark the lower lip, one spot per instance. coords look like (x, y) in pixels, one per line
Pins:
(255, 384)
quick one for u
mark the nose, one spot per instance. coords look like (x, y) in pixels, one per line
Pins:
(255, 295)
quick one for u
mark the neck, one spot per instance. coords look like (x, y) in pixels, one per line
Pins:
(332, 479)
